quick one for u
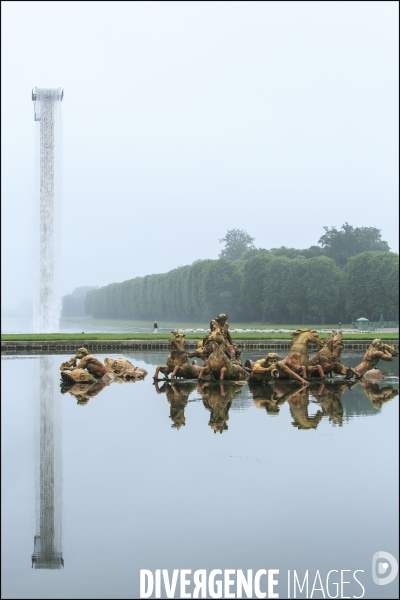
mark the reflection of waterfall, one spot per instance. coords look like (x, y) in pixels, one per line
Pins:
(47, 544)
(48, 117)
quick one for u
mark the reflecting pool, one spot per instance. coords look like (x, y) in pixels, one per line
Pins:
(100, 482)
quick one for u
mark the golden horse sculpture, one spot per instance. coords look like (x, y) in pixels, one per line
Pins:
(326, 361)
(218, 351)
(205, 347)
(218, 366)
(177, 362)
(329, 357)
(296, 362)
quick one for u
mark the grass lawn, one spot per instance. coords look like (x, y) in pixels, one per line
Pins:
(166, 336)
(191, 325)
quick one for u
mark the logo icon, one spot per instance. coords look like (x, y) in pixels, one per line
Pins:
(380, 568)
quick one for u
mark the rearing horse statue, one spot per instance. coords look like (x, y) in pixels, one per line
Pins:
(177, 362)
(218, 365)
(297, 359)
(329, 357)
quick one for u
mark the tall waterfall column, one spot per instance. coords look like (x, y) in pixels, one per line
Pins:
(47, 108)
(47, 552)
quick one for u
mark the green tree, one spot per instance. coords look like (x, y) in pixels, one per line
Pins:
(237, 241)
(295, 287)
(284, 251)
(220, 288)
(295, 291)
(196, 308)
(312, 252)
(322, 283)
(350, 241)
(295, 252)
(372, 284)
(255, 274)
(253, 252)
(275, 289)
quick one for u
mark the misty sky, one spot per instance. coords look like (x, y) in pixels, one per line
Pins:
(184, 119)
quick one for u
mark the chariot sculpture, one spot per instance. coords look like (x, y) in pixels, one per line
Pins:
(222, 361)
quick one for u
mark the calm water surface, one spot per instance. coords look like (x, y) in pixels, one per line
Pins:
(138, 476)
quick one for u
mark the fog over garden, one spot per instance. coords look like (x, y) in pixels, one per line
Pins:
(182, 121)
(351, 273)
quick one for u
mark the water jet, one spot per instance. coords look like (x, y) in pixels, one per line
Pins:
(47, 113)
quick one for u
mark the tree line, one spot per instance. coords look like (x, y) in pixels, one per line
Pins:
(261, 286)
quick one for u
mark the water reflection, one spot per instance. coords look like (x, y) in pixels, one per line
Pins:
(47, 552)
(299, 402)
(178, 397)
(308, 406)
(193, 409)
(217, 398)
(83, 392)
(378, 395)
(270, 397)
(329, 397)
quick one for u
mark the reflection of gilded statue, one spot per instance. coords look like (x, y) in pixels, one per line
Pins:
(177, 362)
(178, 397)
(329, 395)
(377, 395)
(125, 369)
(218, 365)
(298, 401)
(264, 396)
(83, 392)
(377, 351)
(217, 398)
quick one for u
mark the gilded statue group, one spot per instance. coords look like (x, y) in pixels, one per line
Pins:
(84, 376)
(87, 378)
(222, 362)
